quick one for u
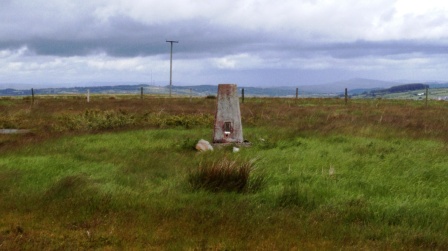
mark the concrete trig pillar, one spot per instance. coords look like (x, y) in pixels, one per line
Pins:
(228, 127)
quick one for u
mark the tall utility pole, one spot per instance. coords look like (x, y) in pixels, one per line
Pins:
(171, 62)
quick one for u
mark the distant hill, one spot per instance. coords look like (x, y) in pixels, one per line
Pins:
(398, 89)
(113, 89)
(124, 89)
(356, 86)
(197, 90)
(437, 85)
(407, 87)
(351, 84)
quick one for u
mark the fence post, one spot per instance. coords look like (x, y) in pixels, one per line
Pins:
(242, 94)
(426, 103)
(191, 93)
(141, 92)
(346, 96)
(297, 93)
(88, 95)
(32, 95)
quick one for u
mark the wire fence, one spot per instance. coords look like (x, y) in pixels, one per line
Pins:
(210, 91)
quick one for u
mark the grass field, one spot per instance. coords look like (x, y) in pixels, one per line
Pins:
(116, 173)
(433, 94)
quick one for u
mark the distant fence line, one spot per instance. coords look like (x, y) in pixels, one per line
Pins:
(141, 91)
(183, 92)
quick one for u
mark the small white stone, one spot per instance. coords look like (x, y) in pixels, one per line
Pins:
(204, 145)
(236, 149)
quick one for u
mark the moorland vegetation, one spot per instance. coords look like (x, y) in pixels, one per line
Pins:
(121, 172)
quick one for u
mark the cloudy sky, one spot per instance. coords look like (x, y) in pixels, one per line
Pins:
(248, 42)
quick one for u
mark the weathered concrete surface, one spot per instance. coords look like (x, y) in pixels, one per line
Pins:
(228, 127)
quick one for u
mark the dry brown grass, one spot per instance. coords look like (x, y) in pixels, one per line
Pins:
(51, 117)
(381, 118)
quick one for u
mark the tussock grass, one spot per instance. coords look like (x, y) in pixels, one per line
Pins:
(225, 175)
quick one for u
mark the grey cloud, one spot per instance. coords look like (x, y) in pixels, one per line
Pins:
(80, 31)
(384, 48)
(124, 37)
(360, 48)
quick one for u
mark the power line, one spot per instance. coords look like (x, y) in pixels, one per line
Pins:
(171, 62)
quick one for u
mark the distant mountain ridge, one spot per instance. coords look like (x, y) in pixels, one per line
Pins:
(354, 86)
(351, 84)
(396, 89)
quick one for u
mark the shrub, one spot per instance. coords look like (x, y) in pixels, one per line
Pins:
(225, 175)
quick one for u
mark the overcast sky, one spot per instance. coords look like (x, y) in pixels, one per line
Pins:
(248, 42)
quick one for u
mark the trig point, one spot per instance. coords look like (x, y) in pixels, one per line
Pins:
(228, 128)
